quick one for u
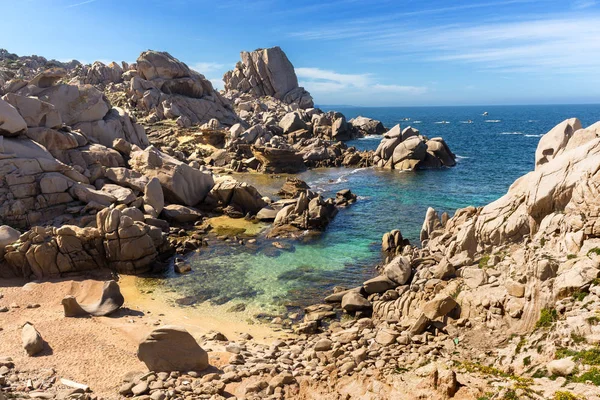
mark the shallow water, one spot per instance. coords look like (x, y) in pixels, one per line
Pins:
(492, 152)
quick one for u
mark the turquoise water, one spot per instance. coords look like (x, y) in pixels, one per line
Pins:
(492, 152)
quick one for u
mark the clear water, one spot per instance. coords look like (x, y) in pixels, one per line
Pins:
(491, 155)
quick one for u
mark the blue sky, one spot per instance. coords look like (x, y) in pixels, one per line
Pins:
(359, 52)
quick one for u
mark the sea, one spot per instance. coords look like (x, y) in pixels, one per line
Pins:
(494, 146)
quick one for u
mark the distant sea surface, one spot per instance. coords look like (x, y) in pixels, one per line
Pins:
(493, 150)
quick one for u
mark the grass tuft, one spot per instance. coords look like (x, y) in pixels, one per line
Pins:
(548, 316)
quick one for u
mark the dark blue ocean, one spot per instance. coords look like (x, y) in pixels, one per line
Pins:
(492, 152)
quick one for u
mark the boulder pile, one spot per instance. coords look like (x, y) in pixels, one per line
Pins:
(409, 150)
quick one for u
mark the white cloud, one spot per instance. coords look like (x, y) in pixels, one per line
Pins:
(206, 68)
(80, 4)
(556, 44)
(317, 80)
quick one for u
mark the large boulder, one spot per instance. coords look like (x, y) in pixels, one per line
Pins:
(11, 122)
(554, 142)
(172, 348)
(36, 113)
(367, 126)
(398, 270)
(275, 160)
(168, 89)
(241, 196)
(181, 183)
(267, 72)
(8, 235)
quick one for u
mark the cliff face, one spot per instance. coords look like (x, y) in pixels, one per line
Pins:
(267, 72)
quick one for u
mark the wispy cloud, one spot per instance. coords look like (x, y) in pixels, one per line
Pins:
(317, 80)
(80, 4)
(554, 44)
(582, 4)
(207, 68)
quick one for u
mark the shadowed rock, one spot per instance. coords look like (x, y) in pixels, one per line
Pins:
(110, 301)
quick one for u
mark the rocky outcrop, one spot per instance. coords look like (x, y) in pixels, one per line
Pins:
(275, 160)
(172, 348)
(181, 183)
(367, 126)
(408, 150)
(267, 72)
(239, 199)
(166, 88)
(118, 242)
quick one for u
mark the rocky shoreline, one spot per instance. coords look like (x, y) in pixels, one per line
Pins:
(118, 169)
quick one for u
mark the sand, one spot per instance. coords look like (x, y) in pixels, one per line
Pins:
(101, 351)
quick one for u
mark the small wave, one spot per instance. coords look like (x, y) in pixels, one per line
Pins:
(493, 121)
(539, 135)
(370, 137)
(442, 122)
(362, 197)
(532, 120)
(417, 122)
(466, 122)
(511, 133)
(461, 157)
(354, 171)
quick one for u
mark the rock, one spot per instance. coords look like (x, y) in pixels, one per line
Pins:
(241, 196)
(292, 122)
(278, 160)
(444, 270)
(181, 183)
(554, 142)
(110, 301)
(385, 336)
(515, 289)
(172, 348)
(353, 302)
(140, 389)
(378, 284)
(11, 122)
(473, 277)
(128, 178)
(32, 340)
(432, 223)
(153, 195)
(562, 367)
(367, 126)
(439, 306)
(181, 214)
(398, 270)
(323, 345)
(36, 113)
(581, 273)
(408, 150)
(267, 72)
(8, 236)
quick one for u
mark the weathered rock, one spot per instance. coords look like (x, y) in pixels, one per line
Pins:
(181, 183)
(439, 306)
(353, 302)
(398, 270)
(172, 348)
(267, 72)
(11, 122)
(562, 367)
(554, 142)
(110, 301)
(32, 340)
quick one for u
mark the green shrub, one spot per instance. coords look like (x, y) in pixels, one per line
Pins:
(527, 361)
(595, 250)
(483, 263)
(566, 396)
(547, 317)
(588, 356)
(593, 375)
